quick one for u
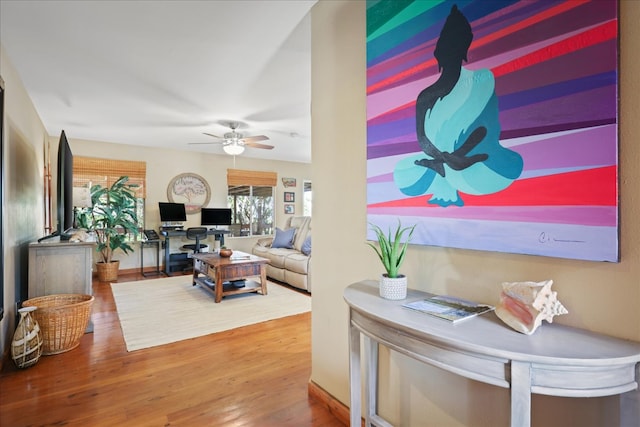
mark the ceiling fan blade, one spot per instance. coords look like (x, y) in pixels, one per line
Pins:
(205, 143)
(215, 136)
(258, 145)
(256, 138)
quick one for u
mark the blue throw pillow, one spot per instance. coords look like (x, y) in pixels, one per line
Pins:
(283, 238)
(306, 246)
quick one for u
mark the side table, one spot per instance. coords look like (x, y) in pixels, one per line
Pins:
(154, 244)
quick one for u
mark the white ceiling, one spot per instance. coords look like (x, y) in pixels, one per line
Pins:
(160, 73)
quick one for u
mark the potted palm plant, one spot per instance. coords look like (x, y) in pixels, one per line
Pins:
(391, 250)
(112, 219)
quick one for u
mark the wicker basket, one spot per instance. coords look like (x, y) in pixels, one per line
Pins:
(63, 318)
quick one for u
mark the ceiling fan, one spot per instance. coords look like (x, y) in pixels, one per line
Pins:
(234, 143)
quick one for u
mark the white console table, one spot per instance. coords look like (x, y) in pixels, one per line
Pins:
(556, 360)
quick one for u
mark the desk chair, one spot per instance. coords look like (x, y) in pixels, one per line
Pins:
(196, 233)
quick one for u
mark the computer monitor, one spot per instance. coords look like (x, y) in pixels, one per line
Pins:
(172, 212)
(215, 216)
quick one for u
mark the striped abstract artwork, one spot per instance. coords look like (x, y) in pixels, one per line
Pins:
(493, 125)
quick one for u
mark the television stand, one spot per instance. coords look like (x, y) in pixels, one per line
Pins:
(60, 267)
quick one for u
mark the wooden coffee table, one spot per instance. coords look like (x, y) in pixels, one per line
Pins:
(234, 273)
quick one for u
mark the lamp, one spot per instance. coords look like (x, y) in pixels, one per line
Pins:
(233, 149)
(81, 199)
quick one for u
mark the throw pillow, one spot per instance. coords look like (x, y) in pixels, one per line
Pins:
(283, 238)
(306, 246)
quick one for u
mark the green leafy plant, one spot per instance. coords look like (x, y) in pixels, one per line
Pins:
(392, 248)
(113, 217)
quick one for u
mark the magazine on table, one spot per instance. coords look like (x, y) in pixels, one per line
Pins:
(449, 308)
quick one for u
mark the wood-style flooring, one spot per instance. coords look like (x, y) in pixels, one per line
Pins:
(252, 376)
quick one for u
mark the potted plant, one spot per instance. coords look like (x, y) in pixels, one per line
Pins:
(391, 250)
(112, 218)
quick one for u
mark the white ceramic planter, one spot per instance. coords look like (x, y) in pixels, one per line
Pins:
(393, 288)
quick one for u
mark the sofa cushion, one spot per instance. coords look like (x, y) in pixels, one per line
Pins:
(297, 263)
(277, 256)
(306, 246)
(283, 238)
(261, 251)
(303, 227)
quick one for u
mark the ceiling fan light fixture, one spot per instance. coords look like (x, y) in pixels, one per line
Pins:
(233, 149)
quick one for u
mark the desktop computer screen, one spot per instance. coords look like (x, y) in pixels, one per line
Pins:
(215, 216)
(172, 212)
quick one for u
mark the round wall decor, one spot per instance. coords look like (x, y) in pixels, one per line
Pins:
(190, 189)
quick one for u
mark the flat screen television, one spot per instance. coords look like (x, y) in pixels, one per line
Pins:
(215, 216)
(64, 191)
(172, 212)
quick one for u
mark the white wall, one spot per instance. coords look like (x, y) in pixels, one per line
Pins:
(603, 297)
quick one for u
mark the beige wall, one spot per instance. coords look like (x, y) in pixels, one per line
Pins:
(23, 164)
(603, 297)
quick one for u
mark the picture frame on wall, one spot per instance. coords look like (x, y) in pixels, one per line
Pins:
(289, 197)
(289, 182)
(191, 189)
(289, 209)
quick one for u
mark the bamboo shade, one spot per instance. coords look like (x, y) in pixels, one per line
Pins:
(254, 178)
(89, 171)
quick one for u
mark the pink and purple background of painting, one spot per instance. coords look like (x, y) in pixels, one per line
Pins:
(555, 67)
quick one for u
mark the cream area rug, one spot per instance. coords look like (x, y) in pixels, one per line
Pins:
(162, 311)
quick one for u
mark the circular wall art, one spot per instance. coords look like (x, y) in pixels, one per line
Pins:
(190, 189)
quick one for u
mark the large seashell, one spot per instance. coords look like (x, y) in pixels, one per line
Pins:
(524, 305)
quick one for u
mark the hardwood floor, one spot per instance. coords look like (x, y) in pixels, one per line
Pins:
(252, 376)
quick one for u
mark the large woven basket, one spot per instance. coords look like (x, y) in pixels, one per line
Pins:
(63, 318)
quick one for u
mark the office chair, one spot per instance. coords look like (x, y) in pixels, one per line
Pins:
(196, 233)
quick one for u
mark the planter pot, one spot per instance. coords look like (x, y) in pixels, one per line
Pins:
(108, 272)
(226, 253)
(393, 288)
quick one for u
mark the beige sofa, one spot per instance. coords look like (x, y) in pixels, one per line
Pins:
(289, 265)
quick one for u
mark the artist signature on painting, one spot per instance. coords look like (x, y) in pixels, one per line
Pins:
(545, 237)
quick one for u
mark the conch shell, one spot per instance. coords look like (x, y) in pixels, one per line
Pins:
(524, 305)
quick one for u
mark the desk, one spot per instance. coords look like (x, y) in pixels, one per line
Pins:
(168, 234)
(556, 360)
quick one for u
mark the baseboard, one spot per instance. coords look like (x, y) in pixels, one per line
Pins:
(337, 408)
(132, 271)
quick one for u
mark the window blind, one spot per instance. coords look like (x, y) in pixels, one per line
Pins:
(253, 178)
(88, 171)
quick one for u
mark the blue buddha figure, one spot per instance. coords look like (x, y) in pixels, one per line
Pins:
(458, 129)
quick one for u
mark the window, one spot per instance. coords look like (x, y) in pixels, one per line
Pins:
(307, 198)
(250, 195)
(89, 171)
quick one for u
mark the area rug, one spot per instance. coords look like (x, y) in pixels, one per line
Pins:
(161, 311)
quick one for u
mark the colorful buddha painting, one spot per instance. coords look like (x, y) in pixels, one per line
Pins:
(493, 125)
(458, 128)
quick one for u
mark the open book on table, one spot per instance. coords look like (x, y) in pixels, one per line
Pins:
(449, 308)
